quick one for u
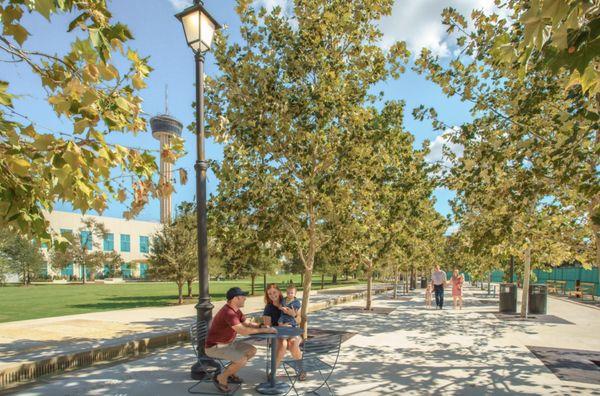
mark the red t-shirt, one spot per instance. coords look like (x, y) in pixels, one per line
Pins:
(221, 331)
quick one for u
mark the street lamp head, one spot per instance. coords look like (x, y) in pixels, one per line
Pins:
(199, 27)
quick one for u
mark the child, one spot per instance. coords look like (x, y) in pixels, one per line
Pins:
(290, 307)
(428, 292)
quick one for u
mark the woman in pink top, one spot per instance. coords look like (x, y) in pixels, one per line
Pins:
(457, 284)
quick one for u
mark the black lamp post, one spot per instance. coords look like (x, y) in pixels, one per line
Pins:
(199, 27)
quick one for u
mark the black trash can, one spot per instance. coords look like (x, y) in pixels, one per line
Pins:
(508, 298)
(423, 282)
(538, 299)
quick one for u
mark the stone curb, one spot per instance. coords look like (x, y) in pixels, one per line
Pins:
(23, 373)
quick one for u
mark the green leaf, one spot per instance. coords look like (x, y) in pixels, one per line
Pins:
(18, 32)
(45, 7)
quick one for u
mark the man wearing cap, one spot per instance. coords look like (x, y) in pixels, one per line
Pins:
(220, 340)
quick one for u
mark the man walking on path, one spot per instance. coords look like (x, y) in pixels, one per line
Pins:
(438, 278)
(220, 340)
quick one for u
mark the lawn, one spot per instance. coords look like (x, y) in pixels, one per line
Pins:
(47, 300)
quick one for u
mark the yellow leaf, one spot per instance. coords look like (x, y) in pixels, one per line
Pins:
(19, 166)
(137, 82)
(42, 142)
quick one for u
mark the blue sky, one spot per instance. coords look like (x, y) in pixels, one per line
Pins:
(159, 35)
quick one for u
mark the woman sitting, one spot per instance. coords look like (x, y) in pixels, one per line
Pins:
(278, 313)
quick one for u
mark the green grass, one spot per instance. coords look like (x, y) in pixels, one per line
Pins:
(47, 300)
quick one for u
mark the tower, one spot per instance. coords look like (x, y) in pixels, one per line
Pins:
(164, 128)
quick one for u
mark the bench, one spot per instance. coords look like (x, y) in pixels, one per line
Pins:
(556, 287)
(584, 289)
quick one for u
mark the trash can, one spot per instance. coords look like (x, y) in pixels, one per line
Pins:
(423, 282)
(508, 298)
(538, 299)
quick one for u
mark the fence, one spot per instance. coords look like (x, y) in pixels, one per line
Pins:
(568, 274)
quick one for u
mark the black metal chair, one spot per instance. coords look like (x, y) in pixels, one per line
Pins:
(198, 332)
(320, 355)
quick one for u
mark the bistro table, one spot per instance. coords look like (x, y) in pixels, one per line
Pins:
(274, 387)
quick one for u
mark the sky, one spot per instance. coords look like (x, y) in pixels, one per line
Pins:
(159, 35)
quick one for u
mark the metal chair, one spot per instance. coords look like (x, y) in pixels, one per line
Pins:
(198, 332)
(314, 350)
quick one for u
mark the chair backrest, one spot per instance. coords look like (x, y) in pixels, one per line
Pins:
(198, 332)
(322, 345)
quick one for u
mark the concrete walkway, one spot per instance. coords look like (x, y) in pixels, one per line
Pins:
(412, 350)
(31, 348)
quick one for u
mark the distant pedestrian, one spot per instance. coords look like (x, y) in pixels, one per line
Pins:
(438, 279)
(457, 285)
(428, 292)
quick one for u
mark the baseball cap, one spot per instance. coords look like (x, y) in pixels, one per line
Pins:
(234, 292)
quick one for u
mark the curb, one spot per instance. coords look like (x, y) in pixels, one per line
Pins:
(23, 373)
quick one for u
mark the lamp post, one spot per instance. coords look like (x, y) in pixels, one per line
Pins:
(199, 27)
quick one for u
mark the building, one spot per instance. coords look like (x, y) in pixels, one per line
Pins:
(130, 238)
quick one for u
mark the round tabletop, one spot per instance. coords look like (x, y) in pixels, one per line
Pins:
(282, 332)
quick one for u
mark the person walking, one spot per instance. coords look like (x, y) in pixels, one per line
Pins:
(438, 279)
(457, 285)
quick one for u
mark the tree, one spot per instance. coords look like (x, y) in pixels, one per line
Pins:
(84, 249)
(20, 255)
(529, 169)
(94, 90)
(283, 105)
(390, 190)
(557, 36)
(173, 252)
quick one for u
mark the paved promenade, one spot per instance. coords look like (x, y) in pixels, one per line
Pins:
(40, 345)
(402, 348)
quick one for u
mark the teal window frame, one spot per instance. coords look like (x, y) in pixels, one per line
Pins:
(109, 242)
(144, 244)
(125, 243)
(86, 238)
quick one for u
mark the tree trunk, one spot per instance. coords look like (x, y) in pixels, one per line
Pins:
(189, 287)
(322, 281)
(180, 292)
(265, 281)
(308, 269)
(396, 279)
(346, 275)
(253, 277)
(306, 286)
(525, 295)
(334, 279)
(302, 279)
(369, 288)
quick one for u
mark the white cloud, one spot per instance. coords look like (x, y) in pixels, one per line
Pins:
(270, 4)
(452, 229)
(439, 145)
(418, 22)
(180, 4)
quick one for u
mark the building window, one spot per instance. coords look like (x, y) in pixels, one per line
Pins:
(109, 242)
(86, 239)
(125, 243)
(144, 244)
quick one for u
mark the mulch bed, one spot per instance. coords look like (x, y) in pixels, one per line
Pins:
(549, 319)
(374, 310)
(570, 364)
